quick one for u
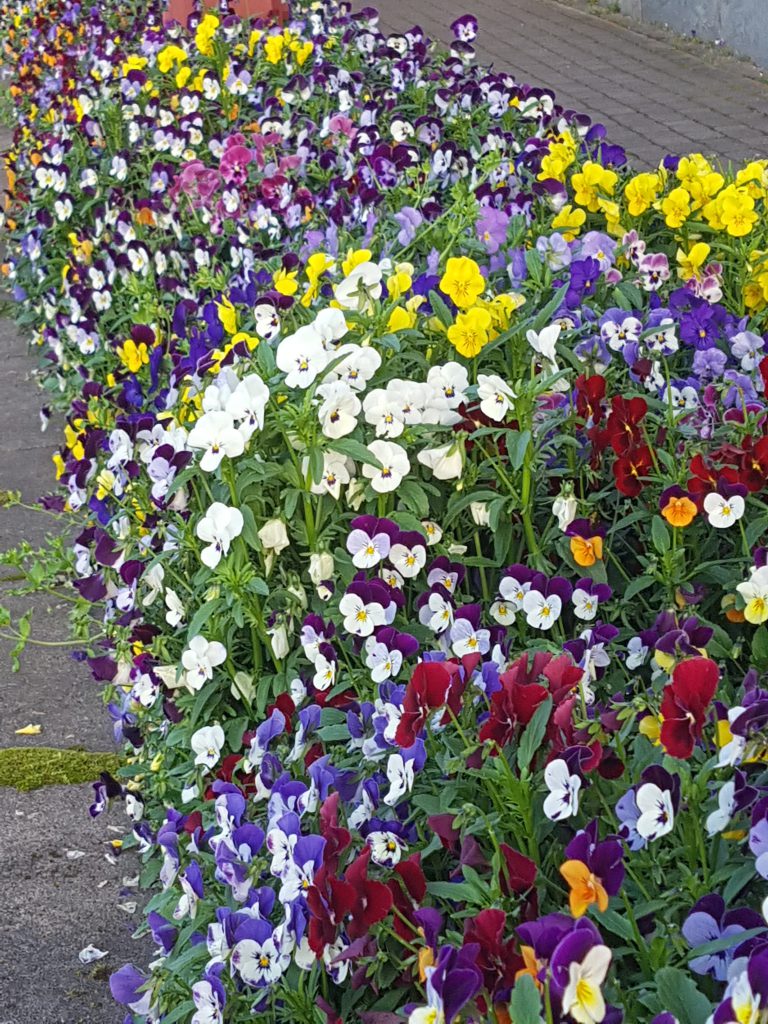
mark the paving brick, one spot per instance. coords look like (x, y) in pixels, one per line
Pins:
(654, 92)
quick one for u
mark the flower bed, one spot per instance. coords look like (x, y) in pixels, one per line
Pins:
(419, 450)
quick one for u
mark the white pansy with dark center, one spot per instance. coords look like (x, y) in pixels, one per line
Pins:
(495, 395)
(217, 437)
(339, 410)
(218, 528)
(200, 659)
(207, 744)
(394, 466)
(563, 799)
(657, 814)
(301, 356)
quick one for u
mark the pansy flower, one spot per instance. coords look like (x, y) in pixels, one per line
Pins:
(593, 870)
(586, 541)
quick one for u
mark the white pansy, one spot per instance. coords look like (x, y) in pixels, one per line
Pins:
(584, 604)
(718, 820)
(564, 509)
(541, 612)
(496, 396)
(723, 512)
(366, 550)
(207, 744)
(657, 814)
(339, 409)
(274, 538)
(360, 287)
(401, 776)
(358, 365)
(153, 580)
(176, 612)
(200, 659)
(394, 466)
(216, 436)
(361, 618)
(336, 473)
(382, 410)
(408, 561)
(320, 566)
(247, 404)
(331, 326)
(563, 799)
(465, 639)
(301, 356)
(218, 528)
(446, 462)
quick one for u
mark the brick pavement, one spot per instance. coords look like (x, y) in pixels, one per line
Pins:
(655, 92)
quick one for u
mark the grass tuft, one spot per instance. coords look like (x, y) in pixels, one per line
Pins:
(26, 768)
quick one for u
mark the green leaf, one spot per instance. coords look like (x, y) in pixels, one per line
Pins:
(414, 497)
(680, 996)
(250, 532)
(201, 616)
(635, 586)
(352, 449)
(181, 1012)
(760, 645)
(517, 446)
(660, 535)
(534, 734)
(441, 311)
(456, 891)
(737, 881)
(525, 1001)
(316, 464)
(617, 924)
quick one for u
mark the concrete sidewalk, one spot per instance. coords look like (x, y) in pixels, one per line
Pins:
(654, 91)
(60, 892)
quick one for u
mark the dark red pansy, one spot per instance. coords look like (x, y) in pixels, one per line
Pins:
(684, 705)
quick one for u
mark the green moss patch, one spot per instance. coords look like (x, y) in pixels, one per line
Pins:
(26, 768)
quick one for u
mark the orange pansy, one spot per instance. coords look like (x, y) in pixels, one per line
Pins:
(679, 511)
(586, 888)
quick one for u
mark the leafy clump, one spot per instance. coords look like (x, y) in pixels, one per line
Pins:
(27, 768)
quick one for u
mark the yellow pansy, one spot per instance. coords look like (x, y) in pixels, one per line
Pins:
(462, 281)
(592, 181)
(106, 484)
(691, 262)
(676, 207)
(285, 281)
(737, 211)
(58, 462)
(73, 442)
(556, 162)
(650, 727)
(469, 335)
(640, 193)
(273, 48)
(354, 259)
(399, 283)
(134, 63)
(400, 319)
(304, 52)
(227, 316)
(754, 178)
(133, 356)
(205, 33)
(170, 56)
(569, 222)
(183, 76)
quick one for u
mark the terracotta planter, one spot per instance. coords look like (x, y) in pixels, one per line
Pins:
(180, 10)
(268, 9)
